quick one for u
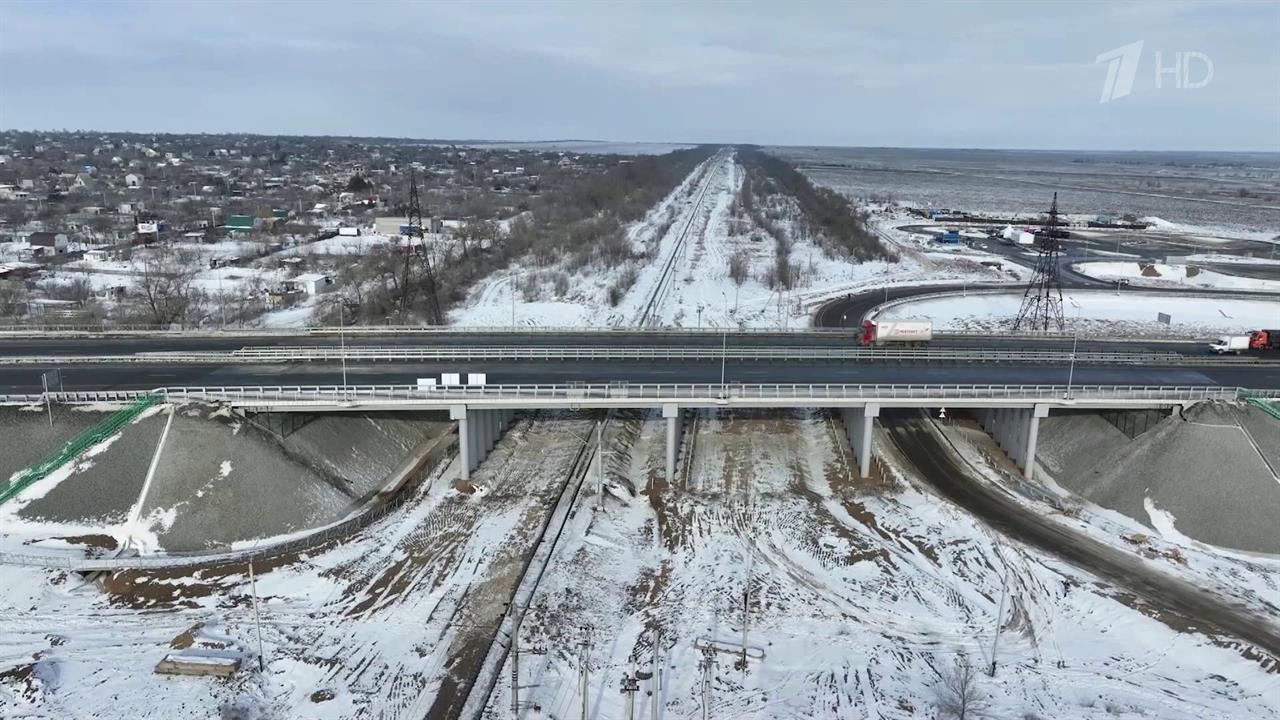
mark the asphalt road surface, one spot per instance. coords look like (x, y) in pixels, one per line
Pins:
(26, 379)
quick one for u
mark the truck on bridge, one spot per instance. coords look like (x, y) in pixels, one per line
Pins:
(1256, 341)
(896, 332)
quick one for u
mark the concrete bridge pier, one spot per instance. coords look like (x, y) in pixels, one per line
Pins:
(1016, 431)
(478, 432)
(671, 412)
(858, 424)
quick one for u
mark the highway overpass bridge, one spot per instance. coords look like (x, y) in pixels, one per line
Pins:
(1011, 381)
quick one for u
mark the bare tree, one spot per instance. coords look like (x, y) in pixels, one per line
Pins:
(958, 695)
(739, 266)
(164, 287)
(13, 299)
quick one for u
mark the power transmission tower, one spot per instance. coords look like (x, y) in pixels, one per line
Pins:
(416, 230)
(1042, 300)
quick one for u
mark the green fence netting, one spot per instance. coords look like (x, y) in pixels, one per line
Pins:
(1267, 405)
(78, 445)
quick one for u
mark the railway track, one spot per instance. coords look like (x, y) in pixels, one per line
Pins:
(649, 313)
(506, 634)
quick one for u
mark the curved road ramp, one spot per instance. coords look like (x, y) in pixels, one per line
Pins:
(191, 478)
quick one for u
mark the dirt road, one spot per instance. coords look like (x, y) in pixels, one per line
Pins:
(1176, 603)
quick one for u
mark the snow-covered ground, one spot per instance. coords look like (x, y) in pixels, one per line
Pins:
(700, 291)
(860, 595)
(1161, 275)
(1096, 312)
(373, 627)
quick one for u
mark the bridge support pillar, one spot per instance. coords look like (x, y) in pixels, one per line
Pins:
(1033, 434)
(465, 451)
(478, 433)
(671, 412)
(1016, 431)
(858, 425)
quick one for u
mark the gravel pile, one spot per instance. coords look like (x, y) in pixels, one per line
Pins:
(1072, 444)
(104, 487)
(1200, 467)
(1265, 430)
(221, 480)
(362, 450)
(27, 437)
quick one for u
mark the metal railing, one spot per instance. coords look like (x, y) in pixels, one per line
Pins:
(569, 395)
(502, 353)
(814, 391)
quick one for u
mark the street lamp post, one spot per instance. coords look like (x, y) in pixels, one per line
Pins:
(1075, 342)
(342, 339)
(724, 355)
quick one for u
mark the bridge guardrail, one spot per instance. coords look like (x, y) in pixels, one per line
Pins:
(336, 395)
(290, 354)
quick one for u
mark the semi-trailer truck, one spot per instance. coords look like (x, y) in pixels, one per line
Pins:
(896, 332)
(1256, 341)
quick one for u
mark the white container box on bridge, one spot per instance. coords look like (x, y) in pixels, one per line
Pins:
(888, 332)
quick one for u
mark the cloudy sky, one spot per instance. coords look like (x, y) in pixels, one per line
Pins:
(933, 74)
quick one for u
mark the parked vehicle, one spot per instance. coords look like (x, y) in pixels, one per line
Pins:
(896, 332)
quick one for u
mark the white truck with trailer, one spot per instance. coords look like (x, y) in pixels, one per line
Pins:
(896, 332)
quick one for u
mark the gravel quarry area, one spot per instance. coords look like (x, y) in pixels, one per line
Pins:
(1210, 472)
(194, 477)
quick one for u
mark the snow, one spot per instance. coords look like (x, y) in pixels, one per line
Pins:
(1088, 309)
(1162, 275)
(297, 316)
(375, 620)
(1163, 522)
(700, 292)
(1231, 259)
(859, 596)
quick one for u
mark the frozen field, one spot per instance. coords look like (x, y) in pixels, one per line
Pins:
(1148, 274)
(1097, 312)
(1196, 189)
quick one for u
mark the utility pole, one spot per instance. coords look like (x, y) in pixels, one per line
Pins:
(257, 619)
(599, 466)
(708, 662)
(584, 650)
(995, 641)
(746, 608)
(655, 681)
(629, 688)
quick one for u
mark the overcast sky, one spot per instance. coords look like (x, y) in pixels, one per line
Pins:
(945, 74)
